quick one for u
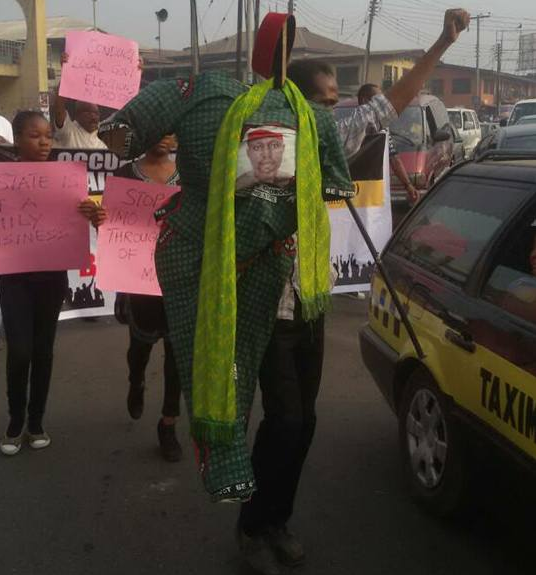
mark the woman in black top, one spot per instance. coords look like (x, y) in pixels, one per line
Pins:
(146, 317)
(31, 304)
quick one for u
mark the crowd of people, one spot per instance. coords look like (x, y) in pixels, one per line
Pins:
(242, 260)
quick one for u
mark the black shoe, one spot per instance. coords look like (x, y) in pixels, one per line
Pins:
(135, 400)
(257, 553)
(170, 448)
(286, 547)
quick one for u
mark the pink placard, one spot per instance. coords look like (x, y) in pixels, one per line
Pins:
(40, 227)
(126, 242)
(101, 69)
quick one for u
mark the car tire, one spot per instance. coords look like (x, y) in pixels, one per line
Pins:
(432, 447)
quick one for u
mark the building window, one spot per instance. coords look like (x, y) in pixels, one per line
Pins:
(395, 74)
(388, 73)
(461, 86)
(437, 86)
(348, 75)
(489, 87)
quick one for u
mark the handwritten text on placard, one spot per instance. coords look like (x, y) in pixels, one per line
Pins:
(101, 69)
(126, 242)
(40, 227)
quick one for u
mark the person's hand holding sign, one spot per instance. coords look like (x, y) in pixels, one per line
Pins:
(93, 212)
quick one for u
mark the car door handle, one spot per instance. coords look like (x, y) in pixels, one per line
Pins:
(455, 322)
(464, 341)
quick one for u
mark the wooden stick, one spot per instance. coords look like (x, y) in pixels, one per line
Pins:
(284, 54)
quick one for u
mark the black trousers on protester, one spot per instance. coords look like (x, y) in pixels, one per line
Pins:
(138, 356)
(30, 305)
(147, 323)
(289, 379)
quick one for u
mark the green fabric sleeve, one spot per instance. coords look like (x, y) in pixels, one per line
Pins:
(336, 180)
(259, 223)
(155, 112)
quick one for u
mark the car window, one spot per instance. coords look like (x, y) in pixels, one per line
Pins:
(468, 123)
(455, 134)
(512, 283)
(526, 142)
(407, 130)
(439, 112)
(475, 120)
(520, 110)
(488, 142)
(430, 120)
(456, 118)
(451, 229)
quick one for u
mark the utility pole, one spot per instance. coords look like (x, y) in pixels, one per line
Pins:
(239, 40)
(478, 17)
(291, 6)
(249, 41)
(194, 37)
(373, 9)
(499, 48)
(257, 16)
(94, 14)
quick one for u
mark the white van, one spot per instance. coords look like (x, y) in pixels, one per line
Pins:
(522, 108)
(468, 125)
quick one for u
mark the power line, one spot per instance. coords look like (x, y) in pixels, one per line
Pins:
(355, 31)
(416, 36)
(224, 19)
(318, 13)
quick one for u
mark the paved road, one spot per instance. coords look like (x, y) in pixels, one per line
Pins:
(101, 502)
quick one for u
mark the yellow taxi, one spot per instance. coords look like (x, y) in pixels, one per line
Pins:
(463, 264)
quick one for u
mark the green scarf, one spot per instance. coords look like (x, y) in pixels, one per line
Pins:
(214, 370)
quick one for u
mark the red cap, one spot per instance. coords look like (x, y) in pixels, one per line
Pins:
(267, 41)
(260, 133)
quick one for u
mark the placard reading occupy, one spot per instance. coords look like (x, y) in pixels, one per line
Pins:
(40, 227)
(101, 69)
(126, 242)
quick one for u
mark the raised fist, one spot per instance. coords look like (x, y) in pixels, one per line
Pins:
(456, 20)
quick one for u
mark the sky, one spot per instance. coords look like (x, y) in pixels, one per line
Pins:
(399, 24)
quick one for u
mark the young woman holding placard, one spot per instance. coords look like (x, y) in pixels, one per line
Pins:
(30, 304)
(146, 316)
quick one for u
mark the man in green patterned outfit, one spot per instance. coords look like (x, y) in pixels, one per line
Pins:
(265, 215)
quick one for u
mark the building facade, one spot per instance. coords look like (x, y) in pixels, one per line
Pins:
(23, 63)
(456, 86)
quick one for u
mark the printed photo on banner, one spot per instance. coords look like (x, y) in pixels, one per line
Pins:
(350, 255)
(84, 298)
(266, 161)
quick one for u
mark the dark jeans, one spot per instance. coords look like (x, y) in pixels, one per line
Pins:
(30, 304)
(138, 356)
(289, 379)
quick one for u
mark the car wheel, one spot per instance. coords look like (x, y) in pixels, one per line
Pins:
(431, 445)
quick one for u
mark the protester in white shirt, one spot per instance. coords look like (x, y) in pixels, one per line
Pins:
(79, 131)
(6, 132)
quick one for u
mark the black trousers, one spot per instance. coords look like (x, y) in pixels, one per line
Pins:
(30, 304)
(138, 355)
(289, 379)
